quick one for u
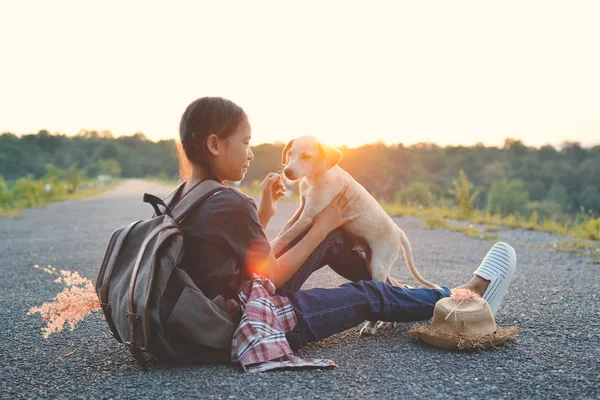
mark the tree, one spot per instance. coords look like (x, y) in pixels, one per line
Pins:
(109, 150)
(109, 167)
(537, 190)
(590, 199)
(516, 151)
(462, 194)
(573, 152)
(589, 172)
(547, 153)
(493, 171)
(567, 177)
(11, 160)
(558, 194)
(508, 197)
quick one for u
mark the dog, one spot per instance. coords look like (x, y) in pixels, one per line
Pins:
(315, 165)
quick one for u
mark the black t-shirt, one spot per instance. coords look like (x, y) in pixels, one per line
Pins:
(220, 237)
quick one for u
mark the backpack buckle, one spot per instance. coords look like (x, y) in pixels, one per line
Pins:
(132, 316)
(138, 355)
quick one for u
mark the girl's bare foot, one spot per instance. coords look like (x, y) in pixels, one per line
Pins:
(477, 285)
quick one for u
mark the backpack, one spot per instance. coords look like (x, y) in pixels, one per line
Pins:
(138, 262)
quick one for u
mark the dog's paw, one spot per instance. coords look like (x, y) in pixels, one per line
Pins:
(386, 325)
(368, 329)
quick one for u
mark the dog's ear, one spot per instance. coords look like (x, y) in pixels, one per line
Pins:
(331, 154)
(284, 155)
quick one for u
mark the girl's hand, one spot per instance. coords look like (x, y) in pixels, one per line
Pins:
(271, 190)
(332, 216)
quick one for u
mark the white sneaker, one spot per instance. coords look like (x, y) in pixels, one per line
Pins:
(498, 267)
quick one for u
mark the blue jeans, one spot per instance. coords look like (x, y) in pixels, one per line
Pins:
(323, 312)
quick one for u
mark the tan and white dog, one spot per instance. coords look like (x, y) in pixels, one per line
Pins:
(374, 232)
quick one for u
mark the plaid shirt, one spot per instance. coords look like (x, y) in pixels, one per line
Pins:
(259, 342)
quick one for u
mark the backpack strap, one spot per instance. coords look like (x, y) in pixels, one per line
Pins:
(168, 201)
(196, 195)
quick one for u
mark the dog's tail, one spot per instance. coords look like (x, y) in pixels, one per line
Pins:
(408, 256)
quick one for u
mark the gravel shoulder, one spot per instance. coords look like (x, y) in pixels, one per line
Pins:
(554, 300)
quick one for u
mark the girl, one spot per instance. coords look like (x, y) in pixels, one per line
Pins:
(227, 251)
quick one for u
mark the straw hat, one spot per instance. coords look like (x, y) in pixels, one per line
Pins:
(463, 321)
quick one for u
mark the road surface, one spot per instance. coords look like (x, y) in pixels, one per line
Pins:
(553, 299)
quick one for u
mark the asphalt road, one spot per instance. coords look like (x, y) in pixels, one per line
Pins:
(553, 299)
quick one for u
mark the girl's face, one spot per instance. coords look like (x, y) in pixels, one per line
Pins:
(234, 155)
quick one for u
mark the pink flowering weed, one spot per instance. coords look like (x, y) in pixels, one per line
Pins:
(77, 300)
(463, 294)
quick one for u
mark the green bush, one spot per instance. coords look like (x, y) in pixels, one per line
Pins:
(57, 189)
(590, 229)
(416, 193)
(5, 194)
(27, 193)
(74, 178)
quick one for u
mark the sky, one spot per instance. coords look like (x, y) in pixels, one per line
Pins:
(348, 72)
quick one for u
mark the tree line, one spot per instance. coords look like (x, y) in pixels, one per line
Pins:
(512, 179)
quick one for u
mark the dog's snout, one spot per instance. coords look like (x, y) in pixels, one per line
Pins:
(289, 173)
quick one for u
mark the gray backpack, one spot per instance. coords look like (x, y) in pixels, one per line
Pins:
(139, 261)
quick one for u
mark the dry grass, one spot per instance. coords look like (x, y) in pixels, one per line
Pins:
(470, 230)
(588, 229)
(579, 246)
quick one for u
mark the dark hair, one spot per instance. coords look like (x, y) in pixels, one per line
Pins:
(202, 118)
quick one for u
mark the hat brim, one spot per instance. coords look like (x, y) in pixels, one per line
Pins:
(453, 341)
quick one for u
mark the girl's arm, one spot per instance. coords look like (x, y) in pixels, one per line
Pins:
(280, 270)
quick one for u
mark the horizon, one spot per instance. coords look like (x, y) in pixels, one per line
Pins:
(254, 144)
(453, 74)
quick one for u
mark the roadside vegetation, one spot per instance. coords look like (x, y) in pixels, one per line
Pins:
(582, 230)
(475, 190)
(56, 185)
(583, 224)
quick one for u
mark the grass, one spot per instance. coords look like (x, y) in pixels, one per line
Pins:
(589, 229)
(491, 228)
(580, 238)
(470, 230)
(15, 212)
(579, 246)
(10, 212)
(88, 192)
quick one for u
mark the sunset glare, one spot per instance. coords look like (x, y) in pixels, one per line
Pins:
(351, 73)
